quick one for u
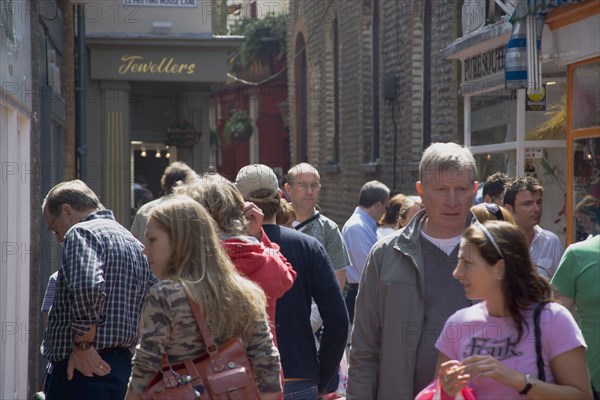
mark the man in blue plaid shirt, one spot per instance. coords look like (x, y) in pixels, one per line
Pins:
(100, 292)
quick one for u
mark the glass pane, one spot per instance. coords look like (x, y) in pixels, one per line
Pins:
(552, 123)
(586, 188)
(493, 117)
(586, 95)
(490, 163)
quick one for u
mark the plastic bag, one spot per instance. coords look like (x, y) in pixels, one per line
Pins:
(434, 391)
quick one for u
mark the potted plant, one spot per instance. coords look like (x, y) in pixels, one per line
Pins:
(183, 135)
(264, 35)
(238, 127)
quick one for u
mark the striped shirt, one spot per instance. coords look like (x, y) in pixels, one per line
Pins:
(103, 280)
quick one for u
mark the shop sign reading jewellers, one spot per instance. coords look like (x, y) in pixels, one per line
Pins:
(155, 65)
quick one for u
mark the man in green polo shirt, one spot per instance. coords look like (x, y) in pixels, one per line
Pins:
(303, 187)
(577, 285)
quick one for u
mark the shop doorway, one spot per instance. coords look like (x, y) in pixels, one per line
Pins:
(149, 161)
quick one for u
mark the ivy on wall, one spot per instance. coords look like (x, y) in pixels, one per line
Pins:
(272, 30)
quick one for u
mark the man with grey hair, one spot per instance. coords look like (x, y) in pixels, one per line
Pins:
(101, 288)
(303, 186)
(407, 291)
(360, 234)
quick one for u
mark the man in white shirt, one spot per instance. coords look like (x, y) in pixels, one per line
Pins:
(524, 198)
(360, 234)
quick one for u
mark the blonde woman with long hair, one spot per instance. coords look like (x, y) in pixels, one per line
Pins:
(184, 253)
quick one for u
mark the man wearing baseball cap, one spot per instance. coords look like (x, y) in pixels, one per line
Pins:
(306, 370)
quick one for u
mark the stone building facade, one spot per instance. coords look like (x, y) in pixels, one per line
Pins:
(343, 58)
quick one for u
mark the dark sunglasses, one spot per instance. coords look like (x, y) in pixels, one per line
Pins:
(495, 210)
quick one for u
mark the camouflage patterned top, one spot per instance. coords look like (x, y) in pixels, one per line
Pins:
(169, 326)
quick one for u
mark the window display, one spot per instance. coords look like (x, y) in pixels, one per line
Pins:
(493, 117)
(586, 187)
(586, 95)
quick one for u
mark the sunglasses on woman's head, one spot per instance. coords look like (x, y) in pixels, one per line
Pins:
(495, 210)
(490, 237)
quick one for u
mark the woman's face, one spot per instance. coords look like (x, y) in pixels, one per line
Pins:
(158, 248)
(480, 280)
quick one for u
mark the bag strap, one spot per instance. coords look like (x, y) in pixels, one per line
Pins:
(209, 341)
(538, 341)
(308, 221)
(216, 361)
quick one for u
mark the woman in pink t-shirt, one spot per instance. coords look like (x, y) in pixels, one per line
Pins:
(491, 346)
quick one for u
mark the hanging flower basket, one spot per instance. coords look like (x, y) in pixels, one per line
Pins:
(238, 127)
(183, 135)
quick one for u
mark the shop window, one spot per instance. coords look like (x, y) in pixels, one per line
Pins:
(549, 123)
(490, 163)
(586, 95)
(493, 117)
(586, 187)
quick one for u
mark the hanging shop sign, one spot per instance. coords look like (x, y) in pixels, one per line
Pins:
(161, 3)
(183, 65)
(483, 64)
(536, 99)
(473, 16)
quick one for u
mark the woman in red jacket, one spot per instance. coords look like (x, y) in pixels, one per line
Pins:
(251, 251)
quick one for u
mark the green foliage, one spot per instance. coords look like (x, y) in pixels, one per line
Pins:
(254, 30)
(238, 127)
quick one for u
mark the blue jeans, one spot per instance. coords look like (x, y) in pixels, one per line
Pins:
(350, 292)
(300, 390)
(111, 386)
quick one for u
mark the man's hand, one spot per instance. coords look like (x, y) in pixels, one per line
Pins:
(255, 218)
(87, 362)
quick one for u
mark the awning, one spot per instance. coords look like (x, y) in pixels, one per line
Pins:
(542, 7)
(523, 67)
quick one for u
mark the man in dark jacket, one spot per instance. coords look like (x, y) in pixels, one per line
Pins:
(306, 370)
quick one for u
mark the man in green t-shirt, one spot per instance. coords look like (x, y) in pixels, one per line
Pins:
(577, 281)
(303, 186)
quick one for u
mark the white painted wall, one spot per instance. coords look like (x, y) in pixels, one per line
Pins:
(578, 41)
(15, 204)
(15, 249)
(110, 16)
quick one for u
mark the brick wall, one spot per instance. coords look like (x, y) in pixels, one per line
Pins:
(401, 37)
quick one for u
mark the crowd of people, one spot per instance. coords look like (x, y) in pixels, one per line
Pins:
(414, 291)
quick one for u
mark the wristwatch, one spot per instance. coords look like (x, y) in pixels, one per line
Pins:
(83, 345)
(529, 382)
